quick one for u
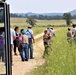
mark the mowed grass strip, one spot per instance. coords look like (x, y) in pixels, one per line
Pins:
(61, 59)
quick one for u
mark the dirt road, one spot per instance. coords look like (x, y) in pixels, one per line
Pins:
(22, 68)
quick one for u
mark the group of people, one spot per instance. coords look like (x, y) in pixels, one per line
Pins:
(71, 35)
(47, 39)
(24, 41)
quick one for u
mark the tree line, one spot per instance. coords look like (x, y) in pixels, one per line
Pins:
(40, 17)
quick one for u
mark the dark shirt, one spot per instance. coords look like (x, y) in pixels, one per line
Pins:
(1, 42)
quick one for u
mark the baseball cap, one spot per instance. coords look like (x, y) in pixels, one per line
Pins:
(24, 32)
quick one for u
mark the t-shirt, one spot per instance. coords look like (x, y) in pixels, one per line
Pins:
(12, 33)
(29, 33)
(74, 31)
(69, 34)
(52, 32)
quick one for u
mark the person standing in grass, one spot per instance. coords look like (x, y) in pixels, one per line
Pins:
(46, 41)
(69, 35)
(74, 32)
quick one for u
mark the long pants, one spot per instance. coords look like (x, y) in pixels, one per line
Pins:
(2, 54)
(15, 42)
(30, 47)
(46, 49)
(11, 47)
(24, 52)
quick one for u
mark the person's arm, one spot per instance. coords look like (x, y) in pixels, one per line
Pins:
(14, 35)
(73, 32)
(33, 38)
(43, 38)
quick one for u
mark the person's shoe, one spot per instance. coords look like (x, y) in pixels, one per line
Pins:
(32, 58)
(26, 60)
(22, 60)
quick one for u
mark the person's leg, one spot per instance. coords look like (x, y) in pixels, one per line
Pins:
(11, 47)
(3, 55)
(22, 54)
(0, 55)
(31, 48)
(15, 48)
(26, 52)
(31, 51)
(45, 50)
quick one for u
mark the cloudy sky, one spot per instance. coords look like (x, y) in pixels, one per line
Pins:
(41, 6)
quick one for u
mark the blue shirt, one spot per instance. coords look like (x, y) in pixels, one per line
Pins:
(29, 33)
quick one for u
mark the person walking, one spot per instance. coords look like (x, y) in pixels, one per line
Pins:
(23, 46)
(31, 40)
(69, 35)
(74, 32)
(46, 41)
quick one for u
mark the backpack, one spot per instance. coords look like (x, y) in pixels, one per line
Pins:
(29, 33)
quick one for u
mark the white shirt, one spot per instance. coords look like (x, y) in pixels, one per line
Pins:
(12, 33)
(52, 32)
(74, 30)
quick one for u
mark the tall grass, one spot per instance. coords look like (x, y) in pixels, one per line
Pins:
(62, 58)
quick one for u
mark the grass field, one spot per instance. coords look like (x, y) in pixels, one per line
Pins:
(62, 58)
(22, 22)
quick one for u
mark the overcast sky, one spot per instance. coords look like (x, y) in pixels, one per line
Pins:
(41, 6)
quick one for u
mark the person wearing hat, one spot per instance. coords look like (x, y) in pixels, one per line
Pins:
(31, 40)
(24, 46)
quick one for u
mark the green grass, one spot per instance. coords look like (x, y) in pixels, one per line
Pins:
(62, 58)
(38, 30)
(22, 22)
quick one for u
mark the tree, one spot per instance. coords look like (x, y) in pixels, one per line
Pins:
(31, 21)
(67, 17)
